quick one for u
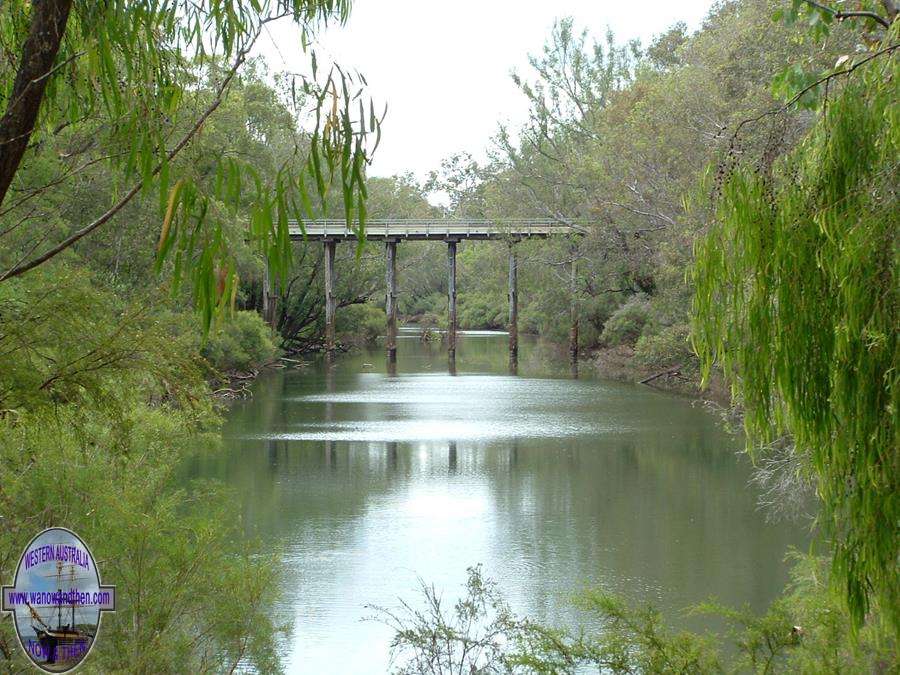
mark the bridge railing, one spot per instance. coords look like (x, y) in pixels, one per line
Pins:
(437, 227)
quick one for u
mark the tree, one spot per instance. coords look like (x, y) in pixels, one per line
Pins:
(797, 299)
(620, 136)
(145, 79)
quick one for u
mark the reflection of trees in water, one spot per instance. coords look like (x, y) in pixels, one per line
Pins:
(646, 513)
(659, 509)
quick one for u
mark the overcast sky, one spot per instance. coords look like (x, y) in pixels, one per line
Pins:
(443, 67)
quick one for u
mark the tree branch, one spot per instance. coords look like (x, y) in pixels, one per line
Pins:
(823, 80)
(30, 193)
(840, 15)
(670, 371)
(21, 268)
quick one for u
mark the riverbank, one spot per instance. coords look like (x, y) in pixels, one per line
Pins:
(619, 364)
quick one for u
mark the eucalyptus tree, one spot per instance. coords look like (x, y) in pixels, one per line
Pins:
(797, 297)
(620, 135)
(145, 79)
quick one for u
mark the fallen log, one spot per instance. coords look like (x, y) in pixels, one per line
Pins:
(671, 371)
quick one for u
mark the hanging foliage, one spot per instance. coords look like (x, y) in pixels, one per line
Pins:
(797, 300)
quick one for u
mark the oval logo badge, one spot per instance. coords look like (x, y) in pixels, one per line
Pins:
(57, 600)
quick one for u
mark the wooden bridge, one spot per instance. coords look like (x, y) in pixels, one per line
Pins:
(394, 230)
(434, 229)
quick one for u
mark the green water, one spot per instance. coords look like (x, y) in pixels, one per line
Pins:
(368, 482)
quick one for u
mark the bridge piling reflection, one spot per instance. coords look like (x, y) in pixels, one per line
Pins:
(451, 457)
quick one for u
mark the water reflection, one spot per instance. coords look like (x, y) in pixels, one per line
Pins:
(370, 481)
(451, 457)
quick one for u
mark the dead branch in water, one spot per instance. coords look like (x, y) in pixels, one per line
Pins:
(671, 371)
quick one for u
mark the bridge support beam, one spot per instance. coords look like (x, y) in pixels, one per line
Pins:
(390, 305)
(330, 304)
(269, 298)
(513, 309)
(451, 301)
(573, 315)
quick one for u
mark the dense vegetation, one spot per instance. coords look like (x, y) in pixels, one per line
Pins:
(137, 142)
(797, 298)
(129, 174)
(101, 397)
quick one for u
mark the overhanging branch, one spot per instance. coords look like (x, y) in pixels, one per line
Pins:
(21, 268)
(841, 15)
(39, 51)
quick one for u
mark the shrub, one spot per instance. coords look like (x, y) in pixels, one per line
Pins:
(594, 313)
(242, 342)
(416, 304)
(807, 630)
(361, 323)
(147, 530)
(666, 349)
(478, 312)
(627, 322)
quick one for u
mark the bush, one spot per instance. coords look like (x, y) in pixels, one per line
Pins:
(807, 630)
(417, 304)
(361, 323)
(594, 312)
(666, 349)
(627, 322)
(146, 530)
(478, 312)
(242, 342)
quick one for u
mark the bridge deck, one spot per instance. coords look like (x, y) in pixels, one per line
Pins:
(424, 229)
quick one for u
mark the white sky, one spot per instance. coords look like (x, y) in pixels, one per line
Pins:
(443, 66)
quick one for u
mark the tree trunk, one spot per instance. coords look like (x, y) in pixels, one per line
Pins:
(48, 24)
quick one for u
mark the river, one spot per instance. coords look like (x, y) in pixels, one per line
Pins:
(369, 482)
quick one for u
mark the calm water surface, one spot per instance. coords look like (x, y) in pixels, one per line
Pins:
(368, 482)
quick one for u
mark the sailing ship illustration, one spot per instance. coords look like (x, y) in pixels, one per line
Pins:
(65, 644)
